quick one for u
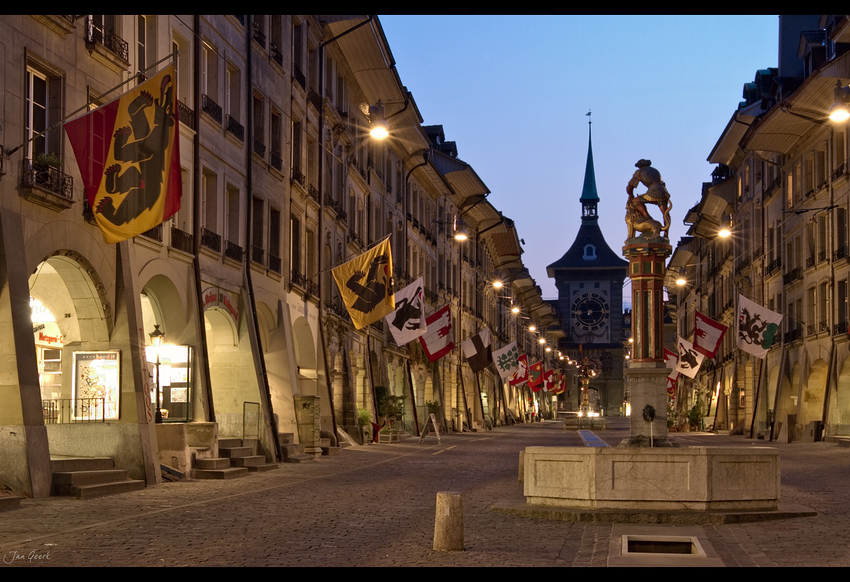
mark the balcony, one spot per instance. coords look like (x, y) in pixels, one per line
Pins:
(97, 35)
(211, 240)
(773, 265)
(839, 328)
(259, 148)
(186, 115)
(257, 254)
(182, 240)
(211, 108)
(235, 128)
(233, 251)
(46, 185)
(274, 264)
(276, 161)
(792, 276)
(276, 55)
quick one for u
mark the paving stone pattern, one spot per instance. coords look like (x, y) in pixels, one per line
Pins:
(374, 506)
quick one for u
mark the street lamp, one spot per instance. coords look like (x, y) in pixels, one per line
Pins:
(839, 111)
(378, 126)
(157, 336)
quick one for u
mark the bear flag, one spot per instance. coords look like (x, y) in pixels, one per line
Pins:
(128, 152)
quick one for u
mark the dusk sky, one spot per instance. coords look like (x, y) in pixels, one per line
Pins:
(513, 93)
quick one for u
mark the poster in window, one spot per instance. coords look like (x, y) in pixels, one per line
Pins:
(96, 385)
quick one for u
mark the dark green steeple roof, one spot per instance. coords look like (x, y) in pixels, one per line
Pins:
(588, 192)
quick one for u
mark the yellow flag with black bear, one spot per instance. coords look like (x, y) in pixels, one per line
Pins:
(128, 152)
(366, 285)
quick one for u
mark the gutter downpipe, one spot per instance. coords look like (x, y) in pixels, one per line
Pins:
(196, 228)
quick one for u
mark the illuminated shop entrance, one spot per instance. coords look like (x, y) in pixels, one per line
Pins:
(169, 366)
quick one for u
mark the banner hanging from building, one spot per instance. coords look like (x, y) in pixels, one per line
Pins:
(521, 374)
(128, 152)
(477, 350)
(707, 334)
(757, 326)
(365, 285)
(689, 359)
(506, 360)
(407, 322)
(438, 339)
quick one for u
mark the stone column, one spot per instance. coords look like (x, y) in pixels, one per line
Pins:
(647, 371)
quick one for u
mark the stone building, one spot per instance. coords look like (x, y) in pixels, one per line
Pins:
(281, 182)
(782, 184)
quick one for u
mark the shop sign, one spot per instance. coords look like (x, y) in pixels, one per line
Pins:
(214, 297)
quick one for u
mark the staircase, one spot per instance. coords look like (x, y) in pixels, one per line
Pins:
(293, 453)
(237, 457)
(86, 478)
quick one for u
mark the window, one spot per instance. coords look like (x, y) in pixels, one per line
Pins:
(232, 233)
(257, 216)
(259, 125)
(295, 246)
(310, 253)
(183, 65)
(43, 109)
(210, 200)
(274, 240)
(209, 72)
(296, 150)
(145, 42)
(276, 139)
(841, 232)
(231, 97)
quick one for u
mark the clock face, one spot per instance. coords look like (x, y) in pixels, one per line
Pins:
(590, 312)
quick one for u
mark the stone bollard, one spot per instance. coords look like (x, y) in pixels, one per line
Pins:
(448, 522)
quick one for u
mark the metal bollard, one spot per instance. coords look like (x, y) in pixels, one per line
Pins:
(448, 522)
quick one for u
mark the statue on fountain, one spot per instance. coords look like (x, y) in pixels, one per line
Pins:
(638, 218)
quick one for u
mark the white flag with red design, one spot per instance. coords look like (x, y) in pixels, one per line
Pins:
(707, 334)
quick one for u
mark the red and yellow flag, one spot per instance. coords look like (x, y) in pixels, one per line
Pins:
(535, 376)
(128, 152)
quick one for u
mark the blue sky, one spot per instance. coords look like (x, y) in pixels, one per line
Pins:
(513, 93)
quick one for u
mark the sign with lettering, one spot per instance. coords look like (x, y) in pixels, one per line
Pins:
(215, 297)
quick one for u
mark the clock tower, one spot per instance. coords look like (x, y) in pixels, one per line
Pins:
(589, 278)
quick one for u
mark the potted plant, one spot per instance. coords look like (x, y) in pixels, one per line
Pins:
(694, 417)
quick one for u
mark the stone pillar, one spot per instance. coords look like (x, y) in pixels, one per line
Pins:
(647, 371)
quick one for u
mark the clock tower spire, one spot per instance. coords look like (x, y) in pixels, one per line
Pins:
(589, 196)
(589, 278)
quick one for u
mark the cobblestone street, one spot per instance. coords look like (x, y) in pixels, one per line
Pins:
(374, 506)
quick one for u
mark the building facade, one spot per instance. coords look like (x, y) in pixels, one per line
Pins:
(281, 182)
(782, 184)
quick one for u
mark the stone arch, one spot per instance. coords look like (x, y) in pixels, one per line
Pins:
(70, 287)
(811, 406)
(306, 360)
(840, 405)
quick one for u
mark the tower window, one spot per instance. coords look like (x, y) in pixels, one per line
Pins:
(589, 253)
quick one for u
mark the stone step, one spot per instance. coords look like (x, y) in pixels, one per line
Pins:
(263, 468)
(9, 502)
(103, 489)
(81, 464)
(232, 452)
(247, 461)
(228, 473)
(67, 482)
(212, 463)
(229, 442)
(300, 458)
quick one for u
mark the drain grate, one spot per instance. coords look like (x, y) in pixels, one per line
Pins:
(642, 545)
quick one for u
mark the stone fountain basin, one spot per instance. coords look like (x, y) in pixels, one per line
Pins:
(640, 478)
